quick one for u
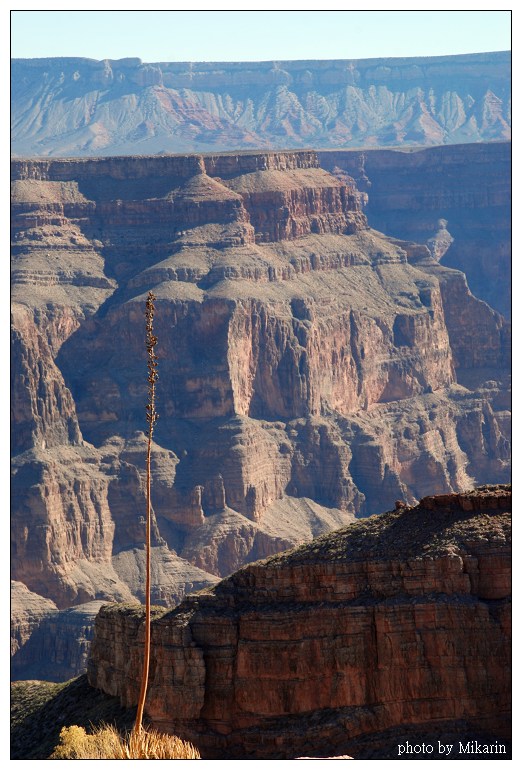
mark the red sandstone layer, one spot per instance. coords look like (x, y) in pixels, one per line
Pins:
(403, 619)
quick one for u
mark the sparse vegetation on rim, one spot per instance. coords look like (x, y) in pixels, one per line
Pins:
(413, 531)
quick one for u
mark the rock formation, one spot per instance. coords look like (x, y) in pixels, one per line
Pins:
(27, 611)
(468, 186)
(398, 621)
(311, 370)
(47, 643)
(72, 106)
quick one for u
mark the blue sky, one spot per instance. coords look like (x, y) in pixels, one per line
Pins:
(255, 35)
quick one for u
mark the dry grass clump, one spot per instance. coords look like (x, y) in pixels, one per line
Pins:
(107, 743)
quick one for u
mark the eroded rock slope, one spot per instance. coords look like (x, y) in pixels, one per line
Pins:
(456, 199)
(311, 370)
(73, 106)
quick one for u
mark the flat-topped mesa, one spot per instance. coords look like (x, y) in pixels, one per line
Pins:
(116, 167)
(287, 195)
(283, 195)
(133, 204)
(401, 620)
(231, 164)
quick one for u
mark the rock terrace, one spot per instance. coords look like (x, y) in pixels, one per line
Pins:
(360, 632)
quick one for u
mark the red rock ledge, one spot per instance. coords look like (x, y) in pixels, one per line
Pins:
(397, 620)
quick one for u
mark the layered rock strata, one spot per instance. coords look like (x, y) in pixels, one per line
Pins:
(400, 620)
(456, 199)
(47, 643)
(72, 106)
(27, 611)
(311, 369)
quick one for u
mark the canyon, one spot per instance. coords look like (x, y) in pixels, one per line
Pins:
(77, 107)
(312, 371)
(396, 625)
(454, 198)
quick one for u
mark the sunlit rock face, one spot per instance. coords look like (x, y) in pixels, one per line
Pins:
(312, 370)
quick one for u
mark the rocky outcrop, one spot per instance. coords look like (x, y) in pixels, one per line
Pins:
(400, 620)
(27, 611)
(287, 196)
(311, 370)
(47, 643)
(466, 187)
(72, 106)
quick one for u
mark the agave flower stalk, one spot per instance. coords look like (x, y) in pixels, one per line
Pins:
(152, 416)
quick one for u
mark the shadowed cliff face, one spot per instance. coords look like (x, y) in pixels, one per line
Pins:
(68, 106)
(399, 621)
(47, 643)
(455, 199)
(311, 369)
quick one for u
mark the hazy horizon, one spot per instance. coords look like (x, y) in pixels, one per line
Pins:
(256, 61)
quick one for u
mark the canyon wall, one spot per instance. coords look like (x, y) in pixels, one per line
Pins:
(398, 621)
(74, 106)
(456, 199)
(47, 643)
(312, 371)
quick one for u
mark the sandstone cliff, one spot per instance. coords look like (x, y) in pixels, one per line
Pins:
(457, 199)
(312, 370)
(398, 621)
(72, 106)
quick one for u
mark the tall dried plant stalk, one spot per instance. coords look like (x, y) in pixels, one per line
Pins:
(152, 416)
